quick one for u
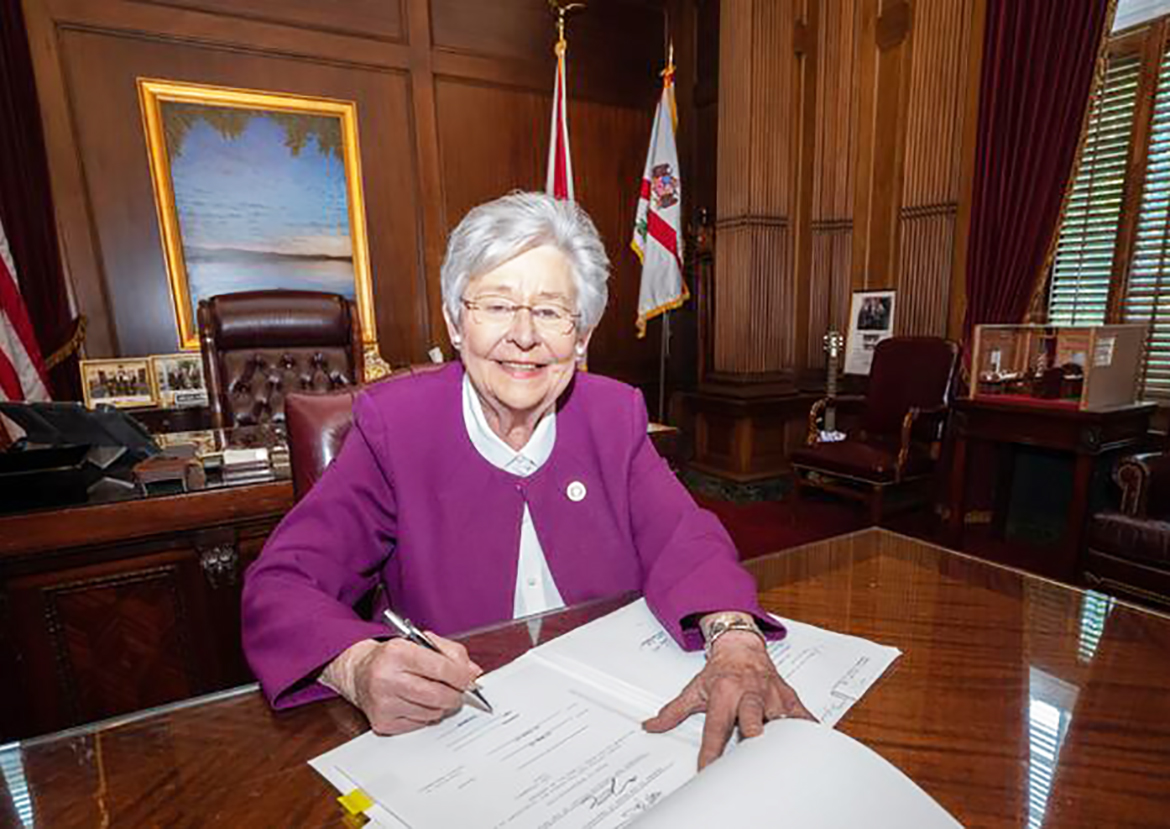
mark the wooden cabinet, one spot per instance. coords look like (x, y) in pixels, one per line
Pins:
(106, 609)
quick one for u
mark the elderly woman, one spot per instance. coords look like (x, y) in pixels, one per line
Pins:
(503, 485)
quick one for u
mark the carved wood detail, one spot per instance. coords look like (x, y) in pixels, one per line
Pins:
(138, 620)
(221, 565)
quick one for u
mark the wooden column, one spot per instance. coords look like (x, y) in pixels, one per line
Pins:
(833, 172)
(754, 310)
(748, 411)
(932, 170)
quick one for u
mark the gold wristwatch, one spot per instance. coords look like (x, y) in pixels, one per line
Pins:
(721, 623)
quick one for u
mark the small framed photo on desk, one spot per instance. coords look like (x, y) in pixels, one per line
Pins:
(180, 380)
(123, 383)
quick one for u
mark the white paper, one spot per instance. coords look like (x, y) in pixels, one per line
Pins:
(1103, 353)
(565, 747)
(552, 755)
(829, 671)
(803, 775)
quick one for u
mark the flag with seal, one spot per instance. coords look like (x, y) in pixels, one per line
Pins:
(658, 222)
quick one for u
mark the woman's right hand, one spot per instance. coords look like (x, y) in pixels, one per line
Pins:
(400, 686)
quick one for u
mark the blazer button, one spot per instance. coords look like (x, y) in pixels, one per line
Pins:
(576, 491)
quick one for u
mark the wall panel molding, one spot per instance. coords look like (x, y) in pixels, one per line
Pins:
(424, 163)
(372, 19)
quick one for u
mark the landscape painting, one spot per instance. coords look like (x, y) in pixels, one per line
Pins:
(256, 191)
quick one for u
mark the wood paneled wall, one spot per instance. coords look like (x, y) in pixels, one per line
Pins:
(759, 94)
(453, 99)
(845, 148)
(933, 166)
(831, 225)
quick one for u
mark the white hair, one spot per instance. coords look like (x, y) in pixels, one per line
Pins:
(498, 231)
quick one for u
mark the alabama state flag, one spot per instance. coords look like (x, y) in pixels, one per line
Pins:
(658, 222)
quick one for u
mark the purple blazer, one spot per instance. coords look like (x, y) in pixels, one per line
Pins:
(411, 502)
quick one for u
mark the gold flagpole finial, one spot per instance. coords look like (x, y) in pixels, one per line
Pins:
(668, 72)
(562, 8)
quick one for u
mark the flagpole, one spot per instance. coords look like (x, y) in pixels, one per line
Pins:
(663, 352)
(664, 345)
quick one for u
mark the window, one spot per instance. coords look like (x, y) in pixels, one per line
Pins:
(1147, 291)
(1083, 265)
(1112, 261)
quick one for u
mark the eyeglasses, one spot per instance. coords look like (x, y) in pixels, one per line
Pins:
(496, 312)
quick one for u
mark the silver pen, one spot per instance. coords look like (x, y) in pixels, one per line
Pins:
(407, 630)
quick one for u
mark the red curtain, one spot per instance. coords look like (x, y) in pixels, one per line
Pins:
(1039, 58)
(26, 203)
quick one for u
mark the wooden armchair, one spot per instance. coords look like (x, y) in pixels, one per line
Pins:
(899, 430)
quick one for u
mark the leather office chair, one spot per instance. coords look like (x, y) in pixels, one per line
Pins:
(1128, 549)
(899, 434)
(317, 425)
(259, 346)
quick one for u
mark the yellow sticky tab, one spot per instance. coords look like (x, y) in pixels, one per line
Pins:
(356, 802)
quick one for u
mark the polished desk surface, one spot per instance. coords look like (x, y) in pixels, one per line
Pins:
(1017, 702)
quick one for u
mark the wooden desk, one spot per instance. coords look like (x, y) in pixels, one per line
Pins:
(107, 608)
(1087, 436)
(998, 668)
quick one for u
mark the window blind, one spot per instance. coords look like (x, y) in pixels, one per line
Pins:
(1147, 294)
(1083, 264)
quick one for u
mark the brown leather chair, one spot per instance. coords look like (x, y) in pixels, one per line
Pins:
(899, 432)
(317, 425)
(1128, 549)
(259, 346)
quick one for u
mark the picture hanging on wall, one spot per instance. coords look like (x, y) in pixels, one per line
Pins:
(256, 191)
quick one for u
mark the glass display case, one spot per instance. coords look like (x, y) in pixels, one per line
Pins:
(1083, 367)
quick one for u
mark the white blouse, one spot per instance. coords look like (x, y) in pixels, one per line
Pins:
(536, 591)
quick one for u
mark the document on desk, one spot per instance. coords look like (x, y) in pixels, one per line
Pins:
(565, 747)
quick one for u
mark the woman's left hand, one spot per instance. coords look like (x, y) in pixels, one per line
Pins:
(738, 684)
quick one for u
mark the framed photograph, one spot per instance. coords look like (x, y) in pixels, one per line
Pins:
(179, 378)
(256, 191)
(123, 383)
(871, 320)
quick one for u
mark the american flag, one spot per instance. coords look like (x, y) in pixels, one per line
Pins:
(22, 371)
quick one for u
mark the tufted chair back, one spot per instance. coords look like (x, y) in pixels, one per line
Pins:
(259, 346)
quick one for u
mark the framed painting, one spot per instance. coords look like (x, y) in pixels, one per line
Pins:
(256, 191)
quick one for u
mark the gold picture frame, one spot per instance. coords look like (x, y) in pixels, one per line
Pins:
(291, 128)
(125, 383)
(178, 379)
